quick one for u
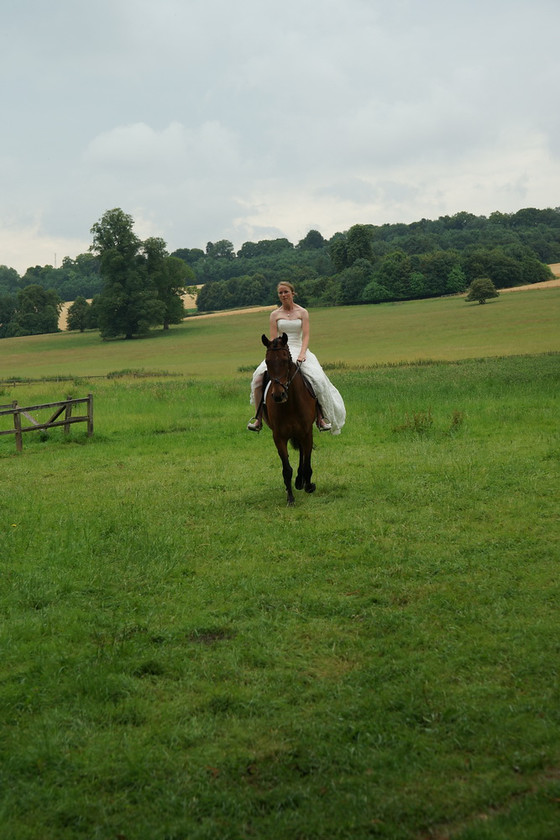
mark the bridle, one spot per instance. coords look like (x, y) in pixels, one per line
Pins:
(291, 378)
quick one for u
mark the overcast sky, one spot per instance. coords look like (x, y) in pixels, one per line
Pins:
(253, 119)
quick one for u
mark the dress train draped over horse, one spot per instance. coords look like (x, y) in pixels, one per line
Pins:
(330, 400)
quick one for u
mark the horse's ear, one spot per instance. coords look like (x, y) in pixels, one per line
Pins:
(284, 339)
(265, 340)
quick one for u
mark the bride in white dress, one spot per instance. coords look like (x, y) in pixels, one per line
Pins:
(293, 319)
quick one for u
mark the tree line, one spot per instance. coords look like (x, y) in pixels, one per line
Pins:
(373, 264)
(137, 285)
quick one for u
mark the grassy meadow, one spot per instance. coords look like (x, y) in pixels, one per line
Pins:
(218, 346)
(183, 656)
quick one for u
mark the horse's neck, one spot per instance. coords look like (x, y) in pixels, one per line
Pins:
(307, 387)
(302, 391)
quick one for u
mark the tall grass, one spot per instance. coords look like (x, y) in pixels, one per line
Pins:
(183, 656)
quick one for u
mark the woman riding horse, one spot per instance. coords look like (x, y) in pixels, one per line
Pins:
(293, 319)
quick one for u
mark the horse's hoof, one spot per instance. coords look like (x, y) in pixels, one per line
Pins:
(291, 502)
(310, 488)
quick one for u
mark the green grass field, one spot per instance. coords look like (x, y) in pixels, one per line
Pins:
(443, 329)
(183, 656)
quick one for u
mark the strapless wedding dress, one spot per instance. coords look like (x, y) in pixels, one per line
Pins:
(330, 400)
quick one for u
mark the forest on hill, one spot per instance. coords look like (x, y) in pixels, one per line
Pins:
(365, 264)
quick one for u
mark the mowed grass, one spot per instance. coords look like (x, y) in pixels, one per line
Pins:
(185, 657)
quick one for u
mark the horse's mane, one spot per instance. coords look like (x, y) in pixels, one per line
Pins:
(280, 343)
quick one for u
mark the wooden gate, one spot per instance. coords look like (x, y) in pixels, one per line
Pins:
(64, 406)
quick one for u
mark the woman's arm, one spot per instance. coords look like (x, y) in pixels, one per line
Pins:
(304, 334)
(274, 324)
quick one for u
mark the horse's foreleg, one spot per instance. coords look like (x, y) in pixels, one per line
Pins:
(287, 472)
(299, 476)
(307, 472)
(303, 479)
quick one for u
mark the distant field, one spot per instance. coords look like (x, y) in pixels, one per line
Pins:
(441, 329)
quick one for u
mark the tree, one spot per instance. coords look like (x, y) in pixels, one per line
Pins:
(534, 271)
(9, 280)
(189, 255)
(456, 281)
(170, 275)
(222, 250)
(264, 248)
(437, 266)
(176, 279)
(338, 252)
(128, 303)
(78, 315)
(481, 290)
(37, 311)
(312, 241)
(356, 245)
(8, 308)
(213, 296)
(393, 273)
(419, 286)
(78, 278)
(359, 244)
(93, 314)
(374, 293)
(353, 281)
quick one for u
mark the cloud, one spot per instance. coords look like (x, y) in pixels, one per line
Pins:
(213, 120)
(27, 245)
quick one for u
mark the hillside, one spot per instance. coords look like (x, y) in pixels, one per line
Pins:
(190, 301)
(446, 329)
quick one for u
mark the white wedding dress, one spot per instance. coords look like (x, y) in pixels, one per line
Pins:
(332, 404)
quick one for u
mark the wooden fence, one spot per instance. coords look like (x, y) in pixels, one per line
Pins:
(18, 412)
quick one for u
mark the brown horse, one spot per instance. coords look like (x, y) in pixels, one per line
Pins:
(290, 410)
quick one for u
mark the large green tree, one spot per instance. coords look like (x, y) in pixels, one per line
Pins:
(128, 304)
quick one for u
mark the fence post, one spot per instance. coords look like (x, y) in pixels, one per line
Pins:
(90, 415)
(67, 416)
(17, 427)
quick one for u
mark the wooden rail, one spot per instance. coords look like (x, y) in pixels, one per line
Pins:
(18, 411)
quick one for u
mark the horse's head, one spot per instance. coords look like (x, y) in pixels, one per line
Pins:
(279, 366)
